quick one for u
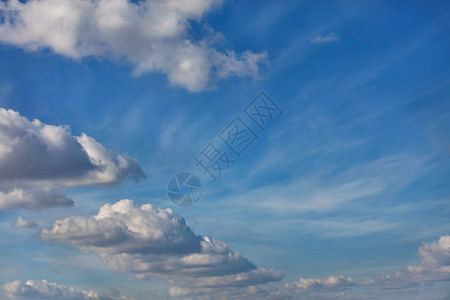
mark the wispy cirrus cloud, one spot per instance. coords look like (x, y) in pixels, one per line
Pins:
(340, 201)
(152, 36)
(329, 191)
(38, 161)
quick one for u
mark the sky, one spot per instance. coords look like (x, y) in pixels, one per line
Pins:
(308, 141)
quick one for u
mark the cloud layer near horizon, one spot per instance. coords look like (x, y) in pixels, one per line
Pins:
(434, 267)
(42, 289)
(152, 36)
(149, 241)
(37, 161)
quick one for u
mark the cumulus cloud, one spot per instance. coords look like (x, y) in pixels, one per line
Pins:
(314, 284)
(42, 289)
(22, 223)
(153, 36)
(324, 38)
(149, 241)
(434, 266)
(37, 161)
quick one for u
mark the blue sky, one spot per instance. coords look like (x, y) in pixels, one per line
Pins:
(344, 195)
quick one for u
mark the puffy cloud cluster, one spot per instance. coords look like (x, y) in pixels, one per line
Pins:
(42, 289)
(149, 241)
(434, 266)
(151, 35)
(37, 161)
(331, 282)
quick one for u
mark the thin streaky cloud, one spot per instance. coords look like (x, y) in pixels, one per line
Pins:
(324, 38)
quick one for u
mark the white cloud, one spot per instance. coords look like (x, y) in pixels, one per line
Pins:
(324, 38)
(240, 285)
(111, 167)
(22, 223)
(314, 284)
(42, 289)
(153, 36)
(28, 196)
(434, 266)
(38, 160)
(250, 292)
(149, 241)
